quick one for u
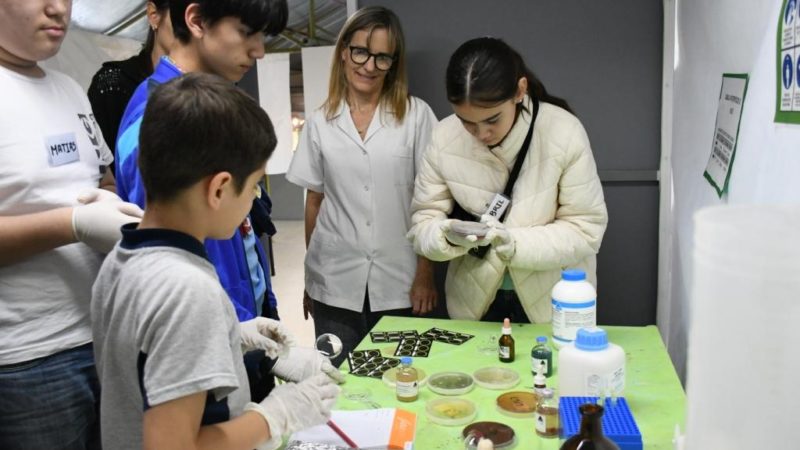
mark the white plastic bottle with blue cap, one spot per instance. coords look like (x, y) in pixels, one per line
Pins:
(591, 366)
(574, 306)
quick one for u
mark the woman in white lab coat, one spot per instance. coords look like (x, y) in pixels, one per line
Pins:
(357, 157)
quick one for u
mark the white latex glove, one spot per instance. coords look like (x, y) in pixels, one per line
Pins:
(97, 195)
(502, 241)
(432, 240)
(293, 407)
(302, 363)
(468, 241)
(265, 334)
(98, 224)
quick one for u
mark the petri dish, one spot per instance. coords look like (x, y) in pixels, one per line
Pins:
(465, 228)
(451, 411)
(451, 383)
(501, 435)
(517, 403)
(496, 378)
(329, 345)
(390, 377)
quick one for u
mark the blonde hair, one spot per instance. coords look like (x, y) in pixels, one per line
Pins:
(394, 93)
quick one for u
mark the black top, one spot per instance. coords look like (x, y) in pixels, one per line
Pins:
(111, 89)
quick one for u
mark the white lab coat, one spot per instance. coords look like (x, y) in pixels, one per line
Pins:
(359, 238)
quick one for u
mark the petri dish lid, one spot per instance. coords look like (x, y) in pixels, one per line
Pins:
(390, 377)
(466, 228)
(451, 383)
(517, 403)
(451, 411)
(501, 435)
(496, 378)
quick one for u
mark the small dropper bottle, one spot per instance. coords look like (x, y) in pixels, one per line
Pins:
(539, 381)
(505, 347)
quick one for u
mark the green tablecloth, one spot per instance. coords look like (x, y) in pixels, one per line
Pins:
(653, 390)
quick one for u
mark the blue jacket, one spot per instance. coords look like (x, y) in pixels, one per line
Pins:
(228, 256)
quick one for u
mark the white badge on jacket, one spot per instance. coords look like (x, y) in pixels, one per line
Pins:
(498, 206)
(62, 149)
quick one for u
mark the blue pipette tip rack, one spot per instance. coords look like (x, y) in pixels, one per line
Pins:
(618, 423)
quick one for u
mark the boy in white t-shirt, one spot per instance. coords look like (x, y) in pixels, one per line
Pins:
(51, 153)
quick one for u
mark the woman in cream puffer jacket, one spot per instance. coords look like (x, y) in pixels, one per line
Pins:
(557, 214)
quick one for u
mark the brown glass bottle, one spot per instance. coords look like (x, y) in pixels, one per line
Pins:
(505, 346)
(591, 435)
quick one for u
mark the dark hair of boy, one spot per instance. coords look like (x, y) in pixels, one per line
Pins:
(267, 16)
(486, 70)
(198, 125)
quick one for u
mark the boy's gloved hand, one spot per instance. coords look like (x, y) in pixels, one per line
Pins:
(265, 334)
(502, 241)
(302, 363)
(97, 221)
(293, 407)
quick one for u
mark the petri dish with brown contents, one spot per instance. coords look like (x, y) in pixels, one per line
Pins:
(518, 404)
(501, 435)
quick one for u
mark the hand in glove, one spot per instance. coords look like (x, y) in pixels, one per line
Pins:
(293, 407)
(266, 334)
(97, 221)
(97, 195)
(459, 238)
(502, 241)
(302, 363)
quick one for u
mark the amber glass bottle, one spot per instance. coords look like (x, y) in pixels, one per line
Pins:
(505, 346)
(591, 435)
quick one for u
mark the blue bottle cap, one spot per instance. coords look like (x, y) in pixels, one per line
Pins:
(405, 360)
(573, 274)
(541, 339)
(591, 339)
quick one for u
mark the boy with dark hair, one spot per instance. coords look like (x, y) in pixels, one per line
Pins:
(225, 38)
(167, 340)
(268, 17)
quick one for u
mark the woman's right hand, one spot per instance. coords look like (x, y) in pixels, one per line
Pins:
(308, 305)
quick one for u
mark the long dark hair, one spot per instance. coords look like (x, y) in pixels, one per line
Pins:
(161, 7)
(486, 70)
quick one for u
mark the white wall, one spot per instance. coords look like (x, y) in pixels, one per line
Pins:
(83, 52)
(730, 36)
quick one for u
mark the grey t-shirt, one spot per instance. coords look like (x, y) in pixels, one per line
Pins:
(163, 329)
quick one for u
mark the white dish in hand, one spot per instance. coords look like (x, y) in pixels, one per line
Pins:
(464, 228)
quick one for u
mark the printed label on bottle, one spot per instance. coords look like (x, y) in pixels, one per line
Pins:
(612, 383)
(569, 317)
(535, 363)
(541, 423)
(407, 388)
(505, 352)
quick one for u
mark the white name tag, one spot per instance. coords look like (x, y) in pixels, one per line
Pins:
(498, 206)
(62, 149)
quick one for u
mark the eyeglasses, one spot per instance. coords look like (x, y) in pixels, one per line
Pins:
(361, 55)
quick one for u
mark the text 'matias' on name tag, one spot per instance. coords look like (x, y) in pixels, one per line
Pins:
(62, 149)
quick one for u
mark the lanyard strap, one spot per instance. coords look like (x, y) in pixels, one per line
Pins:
(523, 152)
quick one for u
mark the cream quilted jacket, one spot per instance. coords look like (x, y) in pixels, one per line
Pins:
(557, 214)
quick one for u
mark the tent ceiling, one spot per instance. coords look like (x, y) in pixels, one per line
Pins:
(311, 22)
